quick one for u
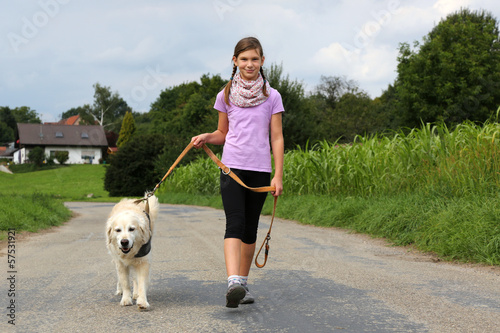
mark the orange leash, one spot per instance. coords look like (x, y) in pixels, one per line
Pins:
(226, 171)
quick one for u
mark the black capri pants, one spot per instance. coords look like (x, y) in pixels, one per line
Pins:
(243, 206)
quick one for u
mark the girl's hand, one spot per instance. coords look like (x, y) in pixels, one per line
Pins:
(278, 184)
(199, 140)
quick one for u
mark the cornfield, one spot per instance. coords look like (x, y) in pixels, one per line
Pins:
(432, 159)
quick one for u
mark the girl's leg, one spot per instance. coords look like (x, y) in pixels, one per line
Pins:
(233, 199)
(232, 254)
(253, 208)
(247, 252)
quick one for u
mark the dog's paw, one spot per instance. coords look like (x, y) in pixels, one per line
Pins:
(126, 301)
(135, 296)
(143, 305)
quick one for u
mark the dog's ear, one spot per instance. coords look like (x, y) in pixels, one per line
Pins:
(143, 230)
(109, 230)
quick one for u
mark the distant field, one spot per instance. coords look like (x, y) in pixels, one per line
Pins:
(71, 183)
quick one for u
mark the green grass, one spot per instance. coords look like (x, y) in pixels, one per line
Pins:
(71, 183)
(31, 212)
(31, 201)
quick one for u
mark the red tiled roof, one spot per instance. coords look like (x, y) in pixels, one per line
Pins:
(72, 120)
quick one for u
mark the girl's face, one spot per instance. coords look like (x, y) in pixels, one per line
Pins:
(249, 63)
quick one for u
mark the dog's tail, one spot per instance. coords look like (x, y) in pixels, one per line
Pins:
(154, 207)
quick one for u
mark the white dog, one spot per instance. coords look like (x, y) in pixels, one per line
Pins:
(129, 230)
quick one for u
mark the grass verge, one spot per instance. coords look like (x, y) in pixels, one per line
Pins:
(33, 201)
(465, 229)
(30, 212)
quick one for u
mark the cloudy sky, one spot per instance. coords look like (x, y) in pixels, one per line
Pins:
(53, 51)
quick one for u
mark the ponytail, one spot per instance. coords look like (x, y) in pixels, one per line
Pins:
(227, 88)
(264, 89)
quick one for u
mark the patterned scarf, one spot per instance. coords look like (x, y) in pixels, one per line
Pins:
(248, 93)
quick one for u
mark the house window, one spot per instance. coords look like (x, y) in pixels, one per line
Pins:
(59, 135)
(85, 135)
(88, 156)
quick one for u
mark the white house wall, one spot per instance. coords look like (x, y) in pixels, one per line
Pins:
(19, 156)
(75, 154)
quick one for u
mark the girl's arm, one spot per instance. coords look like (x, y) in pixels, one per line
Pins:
(278, 146)
(218, 137)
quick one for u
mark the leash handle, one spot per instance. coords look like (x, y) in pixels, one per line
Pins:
(266, 240)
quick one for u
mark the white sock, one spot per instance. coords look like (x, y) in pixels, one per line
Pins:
(244, 280)
(232, 280)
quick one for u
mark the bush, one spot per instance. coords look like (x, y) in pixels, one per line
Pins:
(37, 156)
(62, 156)
(131, 171)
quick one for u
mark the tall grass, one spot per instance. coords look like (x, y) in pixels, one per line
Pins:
(429, 159)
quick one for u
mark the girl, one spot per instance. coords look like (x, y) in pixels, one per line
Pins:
(249, 114)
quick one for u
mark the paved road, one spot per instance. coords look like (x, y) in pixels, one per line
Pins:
(316, 280)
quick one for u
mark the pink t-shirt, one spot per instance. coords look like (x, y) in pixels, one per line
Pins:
(247, 144)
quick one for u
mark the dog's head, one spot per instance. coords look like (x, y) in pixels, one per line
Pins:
(126, 232)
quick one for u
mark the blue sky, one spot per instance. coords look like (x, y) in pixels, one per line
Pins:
(53, 51)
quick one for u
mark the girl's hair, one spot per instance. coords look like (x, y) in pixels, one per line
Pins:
(248, 43)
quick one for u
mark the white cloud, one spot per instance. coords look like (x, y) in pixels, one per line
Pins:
(368, 65)
(445, 7)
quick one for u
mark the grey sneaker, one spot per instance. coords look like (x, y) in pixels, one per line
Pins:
(248, 299)
(235, 293)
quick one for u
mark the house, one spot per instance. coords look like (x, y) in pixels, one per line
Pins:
(84, 143)
(6, 153)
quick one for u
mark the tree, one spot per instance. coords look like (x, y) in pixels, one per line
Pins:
(332, 88)
(9, 119)
(6, 133)
(7, 125)
(183, 111)
(132, 169)
(455, 74)
(25, 115)
(342, 110)
(107, 110)
(127, 129)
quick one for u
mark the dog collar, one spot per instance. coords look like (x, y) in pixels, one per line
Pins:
(146, 248)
